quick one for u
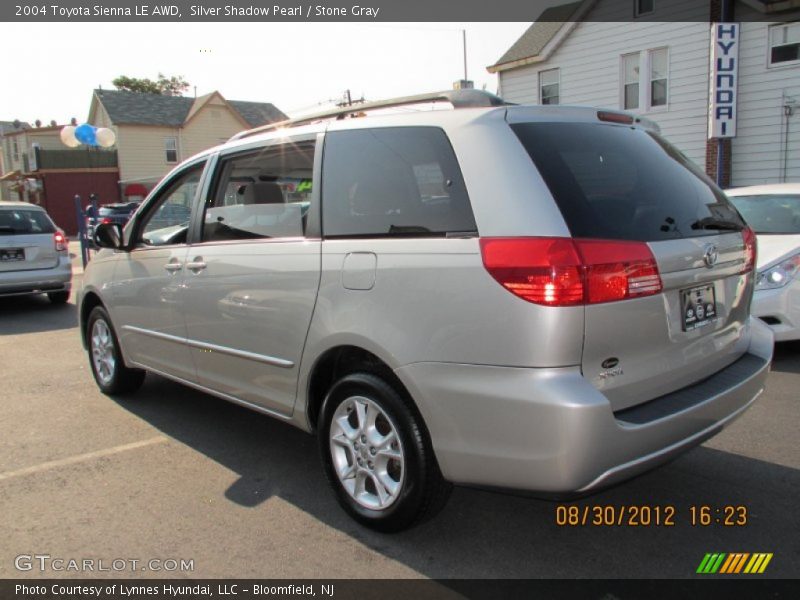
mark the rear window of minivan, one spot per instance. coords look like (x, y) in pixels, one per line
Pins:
(625, 183)
(24, 221)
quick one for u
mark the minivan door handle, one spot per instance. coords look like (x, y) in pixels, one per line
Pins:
(173, 265)
(196, 265)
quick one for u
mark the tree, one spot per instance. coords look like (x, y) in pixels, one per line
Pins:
(172, 86)
(164, 86)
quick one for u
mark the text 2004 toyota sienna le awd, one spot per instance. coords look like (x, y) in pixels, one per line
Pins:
(549, 299)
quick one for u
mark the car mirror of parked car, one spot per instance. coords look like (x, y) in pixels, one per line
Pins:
(108, 235)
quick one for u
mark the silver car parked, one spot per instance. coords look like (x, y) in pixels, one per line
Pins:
(34, 253)
(541, 298)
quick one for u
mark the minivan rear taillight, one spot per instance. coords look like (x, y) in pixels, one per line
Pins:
(569, 272)
(749, 237)
(61, 241)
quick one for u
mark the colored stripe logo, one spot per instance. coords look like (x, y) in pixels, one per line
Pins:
(734, 563)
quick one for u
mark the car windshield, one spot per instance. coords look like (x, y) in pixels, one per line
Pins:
(770, 213)
(23, 220)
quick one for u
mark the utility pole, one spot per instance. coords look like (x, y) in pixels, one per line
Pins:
(347, 99)
(464, 38)
(464, 84)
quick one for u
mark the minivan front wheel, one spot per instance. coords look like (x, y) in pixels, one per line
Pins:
(108, 368)
(376, 455)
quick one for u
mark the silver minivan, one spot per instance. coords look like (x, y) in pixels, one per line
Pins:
(540, 298)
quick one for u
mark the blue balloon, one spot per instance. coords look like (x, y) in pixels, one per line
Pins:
(86, 134)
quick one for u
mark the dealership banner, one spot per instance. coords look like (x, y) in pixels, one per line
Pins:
(343, 10)
(387, 589)
(724, 77)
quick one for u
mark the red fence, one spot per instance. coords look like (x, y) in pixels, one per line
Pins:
(60, 189)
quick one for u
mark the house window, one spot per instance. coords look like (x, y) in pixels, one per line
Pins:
(643, 7)
(630, 81)
(15, 146)
(548, 86)
(171, 148)
(784, 44)
(658, 77)
(652, 93)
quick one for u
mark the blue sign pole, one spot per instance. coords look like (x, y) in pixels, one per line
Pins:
(81, 229)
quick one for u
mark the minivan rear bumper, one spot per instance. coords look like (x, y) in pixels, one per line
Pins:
(551, 431)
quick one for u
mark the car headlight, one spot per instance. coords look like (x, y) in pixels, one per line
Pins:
(779, 275)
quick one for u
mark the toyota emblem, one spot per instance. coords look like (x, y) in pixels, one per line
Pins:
(711, 255)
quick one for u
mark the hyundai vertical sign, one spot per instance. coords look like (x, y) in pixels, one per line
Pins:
(724, 71)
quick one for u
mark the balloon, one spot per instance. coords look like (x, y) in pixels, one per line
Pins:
(68, 137)
(86, 134)
(105, 137)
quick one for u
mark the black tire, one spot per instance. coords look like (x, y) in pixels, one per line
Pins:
(423, 491)
(122, 380)
(58, 297)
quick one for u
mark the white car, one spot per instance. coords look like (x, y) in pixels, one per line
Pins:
(773, 211)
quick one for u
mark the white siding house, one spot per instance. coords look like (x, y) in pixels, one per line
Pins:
(767, 146)
(601, 55)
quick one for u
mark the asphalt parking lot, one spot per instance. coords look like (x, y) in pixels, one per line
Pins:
(173, 474)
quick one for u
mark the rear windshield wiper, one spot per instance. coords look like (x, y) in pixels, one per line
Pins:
(712, 223)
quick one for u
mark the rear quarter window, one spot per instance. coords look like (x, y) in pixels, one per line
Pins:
(394, 181)
(625, 183)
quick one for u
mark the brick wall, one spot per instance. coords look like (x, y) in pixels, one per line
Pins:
(711, 160)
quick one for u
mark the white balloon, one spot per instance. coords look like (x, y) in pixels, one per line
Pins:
(68, 137)
(105, 137)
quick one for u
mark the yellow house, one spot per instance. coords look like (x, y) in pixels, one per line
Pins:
(18, 144)
(154, 132)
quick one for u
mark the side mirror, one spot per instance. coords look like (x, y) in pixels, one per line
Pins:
(108, 235)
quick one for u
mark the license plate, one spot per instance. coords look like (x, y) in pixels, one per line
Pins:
(12, 254)
(699, 306)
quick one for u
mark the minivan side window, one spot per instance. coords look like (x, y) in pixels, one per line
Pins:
(393, 181)
(168, 222)
(262, 194)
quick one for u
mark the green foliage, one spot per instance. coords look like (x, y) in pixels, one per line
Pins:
(164, 86)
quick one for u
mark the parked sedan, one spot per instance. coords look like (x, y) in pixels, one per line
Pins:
(34, 255)
(110, 213)
(773, 211)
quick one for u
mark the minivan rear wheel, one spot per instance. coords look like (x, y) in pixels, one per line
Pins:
(376, 455)
(105, 358)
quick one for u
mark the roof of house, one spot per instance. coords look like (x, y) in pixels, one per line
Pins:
(133, 108)
(10, 126)
(538, 35)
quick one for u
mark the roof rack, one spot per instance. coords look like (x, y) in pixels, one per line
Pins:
(458, 98)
